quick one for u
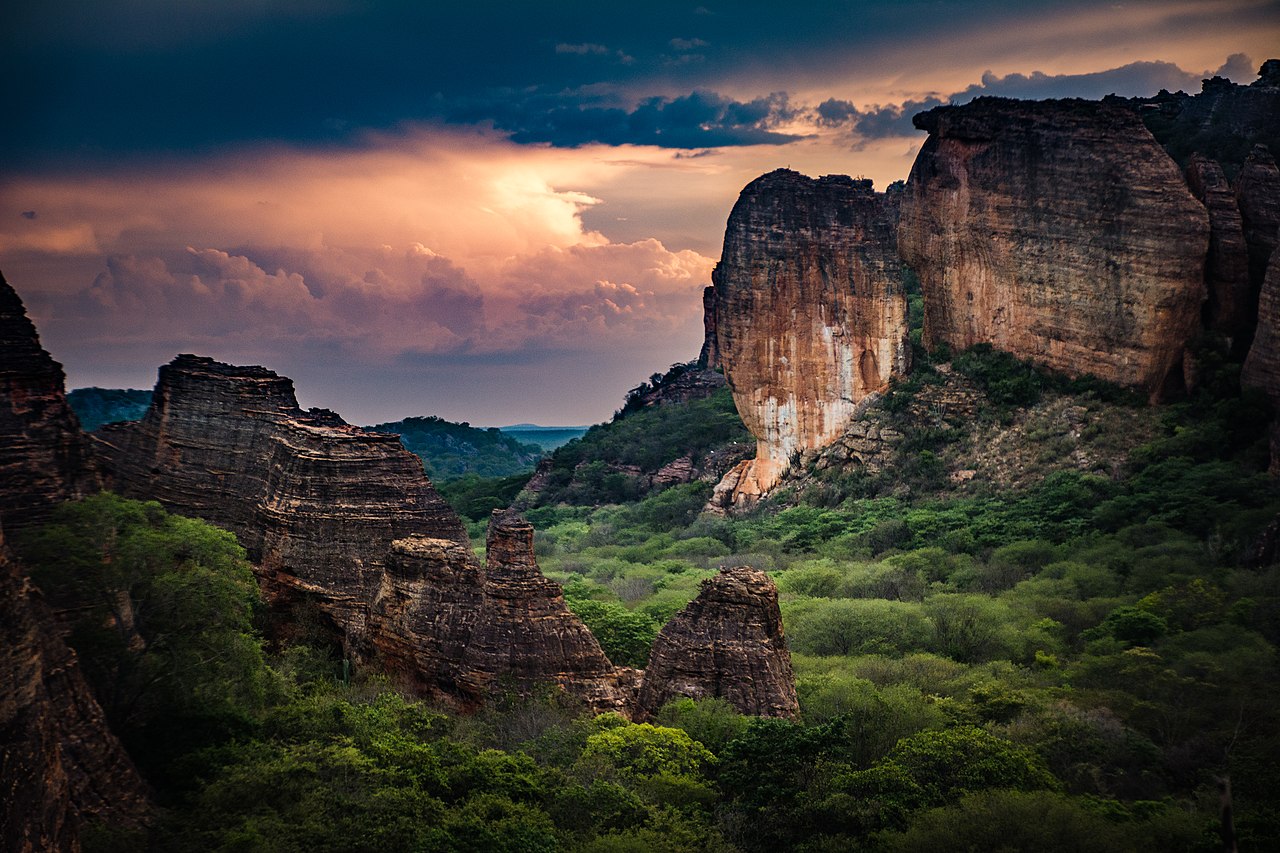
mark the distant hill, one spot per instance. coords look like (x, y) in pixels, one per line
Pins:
(451, 450)
(96, 407)
(546, 437)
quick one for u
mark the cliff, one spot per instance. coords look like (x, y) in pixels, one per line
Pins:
(1258, 199)
(1230, 308)
(1059, 231)
(60, 766)
(727, 643)
(44, 458)
(809, 315)
(1262, 366)
(347, 519)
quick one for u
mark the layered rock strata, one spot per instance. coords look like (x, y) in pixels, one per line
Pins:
(1230, 305)
(727, 643)
(810, 314)
(347, 519)
(60, 766)
(1059, 231)
(1258, 198)
(44, 458)
(1262, 366)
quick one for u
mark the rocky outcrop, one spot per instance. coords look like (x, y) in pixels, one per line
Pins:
(1230, 306)
(348, 520)
(1258, 197)
(727, 643)
(709, 357)
(316, 502)
(60, 766)
(526, 633)
(44, 458)
(1262, 367)
(810, 314)
(1059, 231)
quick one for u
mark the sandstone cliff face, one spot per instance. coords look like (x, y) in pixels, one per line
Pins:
(1258, 197)
(316, 502)
(709, 357)
(810, 314)
(348, 519)
(1229, 308)
(44, 458)
(1262, 367)
(727, 643)
(1059, 231)
(60, 766)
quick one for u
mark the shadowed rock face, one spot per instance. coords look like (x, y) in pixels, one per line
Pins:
(809, 314)
(1262, 367)
(316, 502)
(727, 643)
(60, 766)
(1258, 197)
(348, 519)
(1229, 309)
(1059, 231)
(44, 458)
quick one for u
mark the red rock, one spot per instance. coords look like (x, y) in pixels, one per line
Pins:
(1230, 307)
(1262, 366)
(1059, 231)
(727, 643)
(810, 313)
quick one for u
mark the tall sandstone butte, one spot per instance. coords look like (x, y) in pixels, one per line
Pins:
(1230, 308)
(1059, 231)
(809, 315)
(347, 519)
(60, 765)
(727, 643)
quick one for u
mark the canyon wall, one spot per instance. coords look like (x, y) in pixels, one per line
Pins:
(808, 316)
(1262, 367)
(1059, 231)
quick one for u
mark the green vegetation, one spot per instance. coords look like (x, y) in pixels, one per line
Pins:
(450, 450)
(96, 407)
(547, 438)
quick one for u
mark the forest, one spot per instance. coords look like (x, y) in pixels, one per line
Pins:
(1077, 662)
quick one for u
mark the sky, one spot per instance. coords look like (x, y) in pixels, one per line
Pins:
(491, 212)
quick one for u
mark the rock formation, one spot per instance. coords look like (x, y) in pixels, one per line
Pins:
(727, 643)
(60, 766)
(1258, 197)
(1059, 231)
(1262, 367)
(709, 357)
(1230, 305)
(810, 314)
(347, 519)
(44, 458)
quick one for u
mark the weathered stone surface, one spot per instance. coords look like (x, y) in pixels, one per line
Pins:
(1258, 197)
(1262, 366)
(1059, 231)
(727, 643)
(526, 633)
(60, 766)
(1229, 308)
(810, 314)
(44, 458)
(348, 519)
(709, 357)
(316, 502)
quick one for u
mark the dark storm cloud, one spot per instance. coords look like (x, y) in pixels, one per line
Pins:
(1133, 79)
(106, 79)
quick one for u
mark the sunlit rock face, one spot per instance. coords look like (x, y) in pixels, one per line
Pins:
(809, 315)
(44, 458)
(1059, 231)
(728, 644)
(1262, 367)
